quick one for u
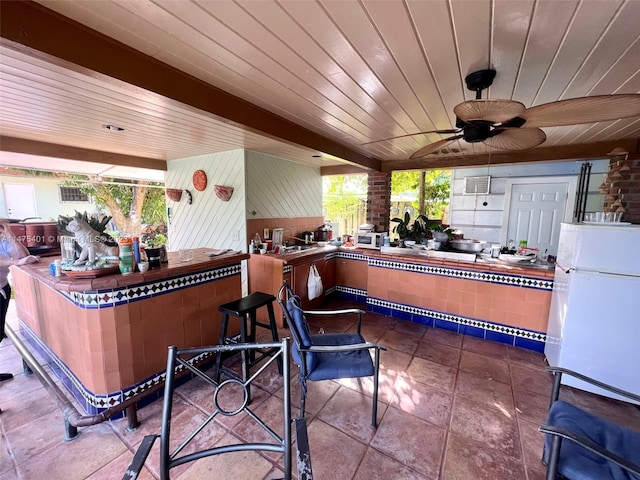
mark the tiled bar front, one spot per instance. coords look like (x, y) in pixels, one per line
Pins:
(508, 305)
(108, 344)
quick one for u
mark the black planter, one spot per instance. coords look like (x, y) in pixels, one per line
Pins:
(153, 255)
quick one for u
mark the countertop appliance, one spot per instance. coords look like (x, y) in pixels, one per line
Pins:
(594, 320)
(366, 239)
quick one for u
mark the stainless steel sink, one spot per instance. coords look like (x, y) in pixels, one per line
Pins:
(298, 249)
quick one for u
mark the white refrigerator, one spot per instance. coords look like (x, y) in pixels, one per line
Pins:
(594, 319)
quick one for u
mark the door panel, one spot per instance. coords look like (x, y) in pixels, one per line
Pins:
(20, 199)
(535, 214)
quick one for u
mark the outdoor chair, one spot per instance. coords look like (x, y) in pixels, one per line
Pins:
(581, 445)
(181, 360)
(329, 356)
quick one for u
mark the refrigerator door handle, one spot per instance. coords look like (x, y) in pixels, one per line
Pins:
(564, 269)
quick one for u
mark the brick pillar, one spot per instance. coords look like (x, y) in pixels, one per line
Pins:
(379, 200)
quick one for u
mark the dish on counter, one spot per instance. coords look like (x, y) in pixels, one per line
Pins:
(98, 272)
(515, 258)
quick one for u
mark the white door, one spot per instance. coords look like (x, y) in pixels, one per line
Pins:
(536, 211)
(20, 200)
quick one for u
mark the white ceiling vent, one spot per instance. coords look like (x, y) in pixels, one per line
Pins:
(476, 185)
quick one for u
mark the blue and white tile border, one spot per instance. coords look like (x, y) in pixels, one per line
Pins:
(118, 296)
(96, 403)
(91, 402)
(515, 336)
(478, 275)
(507, 334)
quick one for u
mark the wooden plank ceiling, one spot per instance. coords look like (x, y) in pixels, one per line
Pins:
(311, 81)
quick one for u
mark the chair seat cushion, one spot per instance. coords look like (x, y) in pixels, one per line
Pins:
(327, 366)
(577, 462)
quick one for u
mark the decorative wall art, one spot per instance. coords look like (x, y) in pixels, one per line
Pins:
(223, 192)
(199, 180)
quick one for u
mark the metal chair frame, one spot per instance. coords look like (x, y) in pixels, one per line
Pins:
(282, 442)
(284, 294)
(558, 434)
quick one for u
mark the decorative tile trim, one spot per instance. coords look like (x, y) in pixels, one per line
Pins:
(110, 298)
(286, 268)
(352, 256)
(351, 291)
(477, 275)
(331, 255)
(503, 333)
(91, 402)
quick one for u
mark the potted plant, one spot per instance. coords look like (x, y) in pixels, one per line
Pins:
(408, 230)
(439, 232)
(156, 250)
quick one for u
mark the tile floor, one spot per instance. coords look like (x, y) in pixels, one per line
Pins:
(451, 407)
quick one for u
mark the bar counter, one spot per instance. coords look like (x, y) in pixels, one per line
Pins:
(487, 298)
(107, 337)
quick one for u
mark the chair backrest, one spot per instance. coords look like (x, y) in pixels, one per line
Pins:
(294, 316)
(185, 359)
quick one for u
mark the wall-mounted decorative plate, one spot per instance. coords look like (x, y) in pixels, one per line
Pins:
(199, 180)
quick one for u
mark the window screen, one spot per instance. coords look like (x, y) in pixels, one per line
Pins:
(72, 194)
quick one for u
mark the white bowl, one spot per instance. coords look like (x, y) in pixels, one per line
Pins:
(409, 243)
(143, 266)
(322, 244)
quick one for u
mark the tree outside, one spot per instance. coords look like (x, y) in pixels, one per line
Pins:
(418, 192)
(344, 201)
(131, 204)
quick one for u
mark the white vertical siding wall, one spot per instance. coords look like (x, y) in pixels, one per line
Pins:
(280, 188)
(468, 213)
(208, 221)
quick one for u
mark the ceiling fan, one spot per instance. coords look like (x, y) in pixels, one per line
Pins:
(509, 125)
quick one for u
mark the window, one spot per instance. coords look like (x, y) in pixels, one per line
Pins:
(73, 194)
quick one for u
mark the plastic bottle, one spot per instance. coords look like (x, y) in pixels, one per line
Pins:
(252, 247)
(126, 256)
(136, 249)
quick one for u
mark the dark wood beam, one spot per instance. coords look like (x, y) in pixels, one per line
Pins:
(36, 27)
(539, 154)
(343, 170)
(32, 147)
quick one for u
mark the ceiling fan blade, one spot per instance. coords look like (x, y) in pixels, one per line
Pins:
(432, 147)
(495, 111)
(516, 138)
(440, 132)
(574, 111)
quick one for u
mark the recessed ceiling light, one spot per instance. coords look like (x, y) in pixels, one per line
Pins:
(316, 156)
(114, 128)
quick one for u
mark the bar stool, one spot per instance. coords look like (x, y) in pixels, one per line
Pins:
(243, 308)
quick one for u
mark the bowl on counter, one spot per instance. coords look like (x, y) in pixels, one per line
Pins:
(322, 244)
(409, 243)
(433, 244)
(468, 245)
(441, 237)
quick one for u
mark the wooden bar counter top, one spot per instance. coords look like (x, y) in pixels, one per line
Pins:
(107, 337)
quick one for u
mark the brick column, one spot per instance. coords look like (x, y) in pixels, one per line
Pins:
(379, 200)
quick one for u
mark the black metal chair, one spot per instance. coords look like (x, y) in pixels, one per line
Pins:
(328, 356)
(183, 359)
(580, 445)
